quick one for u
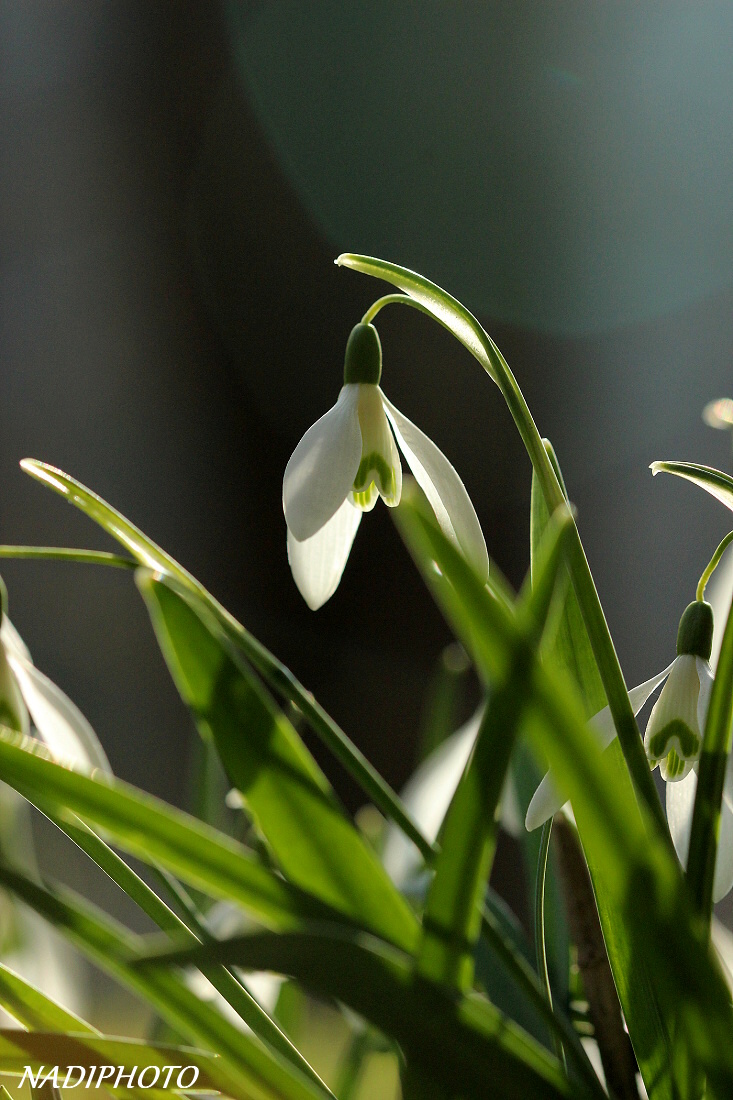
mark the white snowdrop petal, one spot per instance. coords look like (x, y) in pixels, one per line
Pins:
(547, 800)
(545, 803)
(723, 881)
(680, 803)
(673, 737)
(12, 641)
(706, 678)
(59, 722)
(321, 469)
(427, 797)
(318, 562)
(444, 489)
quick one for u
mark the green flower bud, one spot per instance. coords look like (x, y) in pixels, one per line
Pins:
(363, 360)
(695, 633)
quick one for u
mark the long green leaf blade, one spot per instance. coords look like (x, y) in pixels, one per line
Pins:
(294, 807)
(149, 829)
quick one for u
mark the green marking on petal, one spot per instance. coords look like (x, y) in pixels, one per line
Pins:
(364, 498)
(370, 464)
(675, 766)
(688, 741)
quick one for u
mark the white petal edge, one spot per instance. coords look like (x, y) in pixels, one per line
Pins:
(427, 796)
(318, 562)
(680, 807)
(12, 640)
(444, 489)
(59, 722)
(547, 799)
(322, 468)
(706, 679)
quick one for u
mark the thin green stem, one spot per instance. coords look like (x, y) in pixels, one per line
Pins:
(539, 928)
(390, 299)
(711, 566)
(64, 553)
(594, 618)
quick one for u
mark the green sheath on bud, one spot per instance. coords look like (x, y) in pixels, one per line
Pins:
(363, 361)
(695, 633)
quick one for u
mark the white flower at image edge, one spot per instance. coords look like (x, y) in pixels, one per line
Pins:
(672, 740)
(348, 459)
(29, 702)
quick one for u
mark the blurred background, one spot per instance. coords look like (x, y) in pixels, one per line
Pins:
(176, 179)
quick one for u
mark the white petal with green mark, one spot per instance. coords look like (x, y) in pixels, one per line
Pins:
(322, 467)
(444, 489)
(318, 562)
(547, 800)
(673, 737)
(380, 462)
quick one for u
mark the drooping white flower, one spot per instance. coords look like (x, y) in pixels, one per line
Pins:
(30, 702)
(348, 459)
(673, 740)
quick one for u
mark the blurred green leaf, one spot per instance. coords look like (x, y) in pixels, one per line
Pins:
(283, 788)
(452, 917)
(642, 881)
(464, 1044)
(245, 1069)
(34, 1010)
(570, 651)
(149, 829)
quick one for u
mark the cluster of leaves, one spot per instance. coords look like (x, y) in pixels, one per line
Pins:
(321, 910)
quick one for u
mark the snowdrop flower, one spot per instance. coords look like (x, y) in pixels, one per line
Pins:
(673, 740)
(28, 698)
(348, 459)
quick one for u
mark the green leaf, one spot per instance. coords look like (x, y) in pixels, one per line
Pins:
(715, 482)
(148, 554)
(222, 980)
(149, 829)
(569, 646)
(452, 918)
(245, 1069)
(649, 1026)
(43, 1050)
(463, 1044)
(642, 879)
(62, 553)
(34, 1010)
(285, 791)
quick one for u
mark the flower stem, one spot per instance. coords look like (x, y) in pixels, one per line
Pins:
(483, 348)
(711, 566)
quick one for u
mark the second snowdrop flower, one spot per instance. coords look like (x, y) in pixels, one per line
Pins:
(348, 459)
(673, 737)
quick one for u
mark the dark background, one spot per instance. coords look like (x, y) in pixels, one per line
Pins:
(176, 179)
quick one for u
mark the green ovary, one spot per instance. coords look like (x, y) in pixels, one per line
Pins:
(676, 730)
